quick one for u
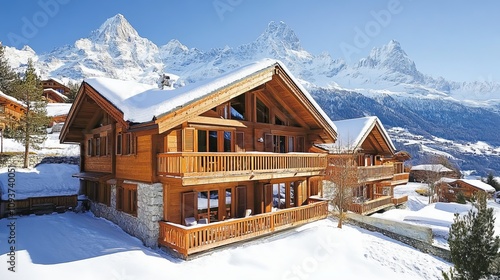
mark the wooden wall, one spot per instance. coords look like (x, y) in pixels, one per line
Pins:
(173, 197)
(138, 166)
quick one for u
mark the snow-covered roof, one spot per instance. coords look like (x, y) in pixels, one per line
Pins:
(447, 180)
(58, 109)
(56, 80)
(479, 184)
(352, 133)
(142, 102)
(11, 99)
(431, 167)
(64, 97)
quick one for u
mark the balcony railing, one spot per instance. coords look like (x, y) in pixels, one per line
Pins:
(400, 200)
(190, 240)
(179, 164)
(371, 206)
(374, 173)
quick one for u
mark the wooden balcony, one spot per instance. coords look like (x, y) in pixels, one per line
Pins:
(400, 179)
(194, 239)
(399, 200)
(371, 206)
(375, 173)
(185, 164)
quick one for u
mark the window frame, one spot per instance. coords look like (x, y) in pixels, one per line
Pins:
(126, 198)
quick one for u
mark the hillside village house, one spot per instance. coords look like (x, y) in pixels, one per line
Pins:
(448, 189)
(365, 144)
(54, 90)
(433, 172)
(11, 111)
(203, 165)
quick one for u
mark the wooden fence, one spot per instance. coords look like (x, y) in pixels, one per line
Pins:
(189, 240)
(37, 204)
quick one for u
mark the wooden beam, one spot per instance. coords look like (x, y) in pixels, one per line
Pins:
(225, 94)
(290, 111)
(216, 122)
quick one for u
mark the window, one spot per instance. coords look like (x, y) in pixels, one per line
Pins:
(262, 112)
(98, 146)
(119, 144)
(212, 141)
(215, 141)
(202, 141)
(300, 144)
(291, 144)
(278, 121)
(129, 147)
(2, 109)
(90, 147)
(126, 198)
(238, 108)
(227, 141)
(104, 194)
(91, 190)
(104, 146)
(208, 205)
(98, 192)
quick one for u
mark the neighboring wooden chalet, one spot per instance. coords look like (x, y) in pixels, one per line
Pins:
(363, 142)
(53, 96)
(54, 91)
(56, 85)
(203, 165)
(432, 172)
(11, 111)
(448, 189)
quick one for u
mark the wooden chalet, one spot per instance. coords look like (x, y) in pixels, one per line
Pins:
(53, 96)
(424, 172)
(448, 189)
(204, 165)
(368, 147)
(11, 111)
(56, 85)
(54, 91)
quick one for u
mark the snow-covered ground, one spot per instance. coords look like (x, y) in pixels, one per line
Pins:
(51, 147)
(81, 246)
(437, 216)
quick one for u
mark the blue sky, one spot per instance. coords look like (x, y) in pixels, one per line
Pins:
(459, 40)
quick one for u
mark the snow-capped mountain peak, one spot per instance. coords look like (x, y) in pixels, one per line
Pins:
(279, 34)
(394, 63)
(114, 28)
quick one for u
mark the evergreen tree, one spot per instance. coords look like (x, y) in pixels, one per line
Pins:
(490, 180)
(73, 91)
(31, 131)
(7, 76)
(473, 244)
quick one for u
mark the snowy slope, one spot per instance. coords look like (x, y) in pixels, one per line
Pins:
(81, 246)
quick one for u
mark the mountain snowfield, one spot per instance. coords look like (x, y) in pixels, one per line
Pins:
(388, 80)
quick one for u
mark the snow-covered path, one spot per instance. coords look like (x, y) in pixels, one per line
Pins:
(81, 246)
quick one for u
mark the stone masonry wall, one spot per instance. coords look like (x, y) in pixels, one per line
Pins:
(149, 211)
(400, 232)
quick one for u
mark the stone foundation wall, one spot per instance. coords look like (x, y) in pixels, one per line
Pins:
(401, 232)
(149, 212)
